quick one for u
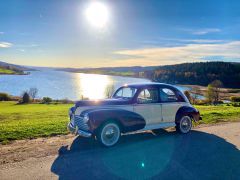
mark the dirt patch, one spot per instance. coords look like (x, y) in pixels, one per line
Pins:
(35, 148)
(21, 150)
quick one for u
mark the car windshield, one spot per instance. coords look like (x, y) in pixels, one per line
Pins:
(125, 93)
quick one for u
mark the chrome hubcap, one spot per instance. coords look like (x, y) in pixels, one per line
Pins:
(186, 124)
(110, 134)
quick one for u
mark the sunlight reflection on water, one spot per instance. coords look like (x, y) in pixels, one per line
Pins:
(93, 86)
(60, 85)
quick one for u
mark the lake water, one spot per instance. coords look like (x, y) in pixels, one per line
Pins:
(60, 85)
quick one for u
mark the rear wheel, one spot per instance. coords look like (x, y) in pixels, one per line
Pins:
(184, 125)
(109, 134)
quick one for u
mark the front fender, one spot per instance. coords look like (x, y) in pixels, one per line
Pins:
(187, 111)
(127, 120)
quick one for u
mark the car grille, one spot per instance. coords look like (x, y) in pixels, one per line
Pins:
(78, 121)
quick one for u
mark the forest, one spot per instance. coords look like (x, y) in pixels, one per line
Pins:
(201, 73)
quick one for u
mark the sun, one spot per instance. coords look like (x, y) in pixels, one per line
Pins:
(97, 14)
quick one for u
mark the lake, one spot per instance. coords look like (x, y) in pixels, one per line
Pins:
(61, 85)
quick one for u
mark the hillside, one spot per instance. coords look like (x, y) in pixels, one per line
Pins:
(201, 73)
(6, 68)
(132, 71)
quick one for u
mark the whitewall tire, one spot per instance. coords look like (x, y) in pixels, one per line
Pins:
(184, 125)
(109, 134)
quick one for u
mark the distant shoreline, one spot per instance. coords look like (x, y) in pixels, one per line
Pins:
(15, 73)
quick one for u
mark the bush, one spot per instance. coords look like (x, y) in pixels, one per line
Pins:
(202, 102)
(25, 98)
(235, 99)
(65, 101)
(236, 104)
(46, 100)
(4, 97)
(188, 95)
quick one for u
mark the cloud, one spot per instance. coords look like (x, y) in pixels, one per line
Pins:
(27, 45)
(206, 31)
(5, 44)
(202, 31)
(179, 54)
(22, 50)
(202, 41)
(1, 32)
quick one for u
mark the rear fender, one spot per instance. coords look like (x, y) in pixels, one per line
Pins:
(187, 111)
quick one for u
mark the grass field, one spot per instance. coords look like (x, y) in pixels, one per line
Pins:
(40, 120)
(6, 71)
(32, 120)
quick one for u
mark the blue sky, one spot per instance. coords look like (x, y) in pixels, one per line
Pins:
(139, 32)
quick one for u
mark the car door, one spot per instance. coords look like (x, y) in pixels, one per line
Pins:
(148, 105)
(170, 104)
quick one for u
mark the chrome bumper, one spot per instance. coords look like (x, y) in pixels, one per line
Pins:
(77, 131)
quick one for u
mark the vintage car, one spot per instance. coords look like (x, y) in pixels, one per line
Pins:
(133, 107)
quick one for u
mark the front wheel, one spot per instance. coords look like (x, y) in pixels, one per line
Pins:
(109, 134)
(184, 125)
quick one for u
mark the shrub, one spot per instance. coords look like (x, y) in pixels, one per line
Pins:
(46, 100)
(235, 99)
(188, 95)
(202, 102)
(4, 97)
(25, 98)
(236, 104)
(65, 101)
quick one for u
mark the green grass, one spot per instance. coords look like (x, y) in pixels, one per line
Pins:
(6, 71)
(32, 120)
(217, 114)
(40, 120)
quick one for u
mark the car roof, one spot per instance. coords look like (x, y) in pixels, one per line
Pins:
(150, 84)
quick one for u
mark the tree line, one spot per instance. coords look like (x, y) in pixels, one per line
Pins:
(202, 73)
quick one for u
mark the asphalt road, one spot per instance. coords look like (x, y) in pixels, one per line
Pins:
(206, 153)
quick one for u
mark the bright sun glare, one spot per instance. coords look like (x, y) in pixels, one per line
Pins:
(97, 14)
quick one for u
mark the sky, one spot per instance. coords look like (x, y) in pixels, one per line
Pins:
(57, 33)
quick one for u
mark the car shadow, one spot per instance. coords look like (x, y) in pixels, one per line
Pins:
(168, 155)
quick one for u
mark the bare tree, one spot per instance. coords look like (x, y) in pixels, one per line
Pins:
(188, 95)
(109, 91)
(33, 93)
(196, 91)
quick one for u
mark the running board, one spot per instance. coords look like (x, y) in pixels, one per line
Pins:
(159, 126)
(155, 126)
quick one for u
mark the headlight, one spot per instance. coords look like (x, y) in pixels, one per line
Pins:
(85, 118)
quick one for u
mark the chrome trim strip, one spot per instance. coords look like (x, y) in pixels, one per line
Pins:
(158, 126)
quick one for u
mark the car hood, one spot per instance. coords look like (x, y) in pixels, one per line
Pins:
(104, 102)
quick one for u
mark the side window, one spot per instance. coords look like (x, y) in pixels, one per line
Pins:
(168, 95)
(148, 96)
(126, 92)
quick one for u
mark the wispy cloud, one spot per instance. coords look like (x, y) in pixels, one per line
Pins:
(202, 31)
(1, 32)
(22, 50)
(27, 45)
(200, 41)
(180, 54)
(203, 41)
(206, 31)
(5, 44)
